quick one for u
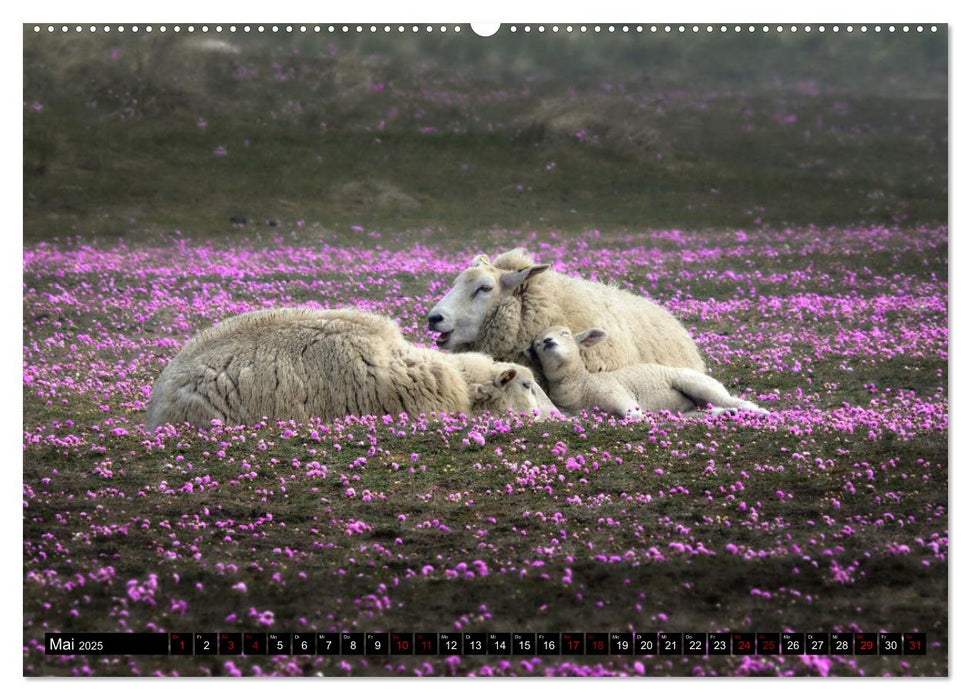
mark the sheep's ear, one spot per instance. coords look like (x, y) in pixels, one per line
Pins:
(480, 259)
(529, 353)
(504, 377)
(591, 337)
(511, 280)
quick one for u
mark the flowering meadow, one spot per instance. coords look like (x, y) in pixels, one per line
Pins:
(828, 514)
(822, 295)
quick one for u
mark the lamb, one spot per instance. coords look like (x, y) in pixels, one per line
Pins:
(499, 308)
(298, 363)
(626, 392)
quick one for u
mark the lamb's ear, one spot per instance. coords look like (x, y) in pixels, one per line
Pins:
(590, 337)
(511, 280)
(480, 259)
(504, 377)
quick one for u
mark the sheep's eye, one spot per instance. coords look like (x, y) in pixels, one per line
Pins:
(564, 332)
(483, 288)
(526, 385)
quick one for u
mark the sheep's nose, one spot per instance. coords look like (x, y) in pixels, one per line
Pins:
(548, 343)
(433, 320)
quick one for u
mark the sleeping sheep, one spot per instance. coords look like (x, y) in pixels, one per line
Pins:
(624, 392)
(499, 308)
(296, 363)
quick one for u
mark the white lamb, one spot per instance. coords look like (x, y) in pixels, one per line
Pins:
(499, 308)
(626, 392)
(299, 364)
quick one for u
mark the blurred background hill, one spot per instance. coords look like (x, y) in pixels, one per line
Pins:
(134, 135)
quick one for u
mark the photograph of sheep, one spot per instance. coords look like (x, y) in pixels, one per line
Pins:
(618, 329)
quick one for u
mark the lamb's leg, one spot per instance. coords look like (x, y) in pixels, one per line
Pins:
(619, 402)
(704, 390)
(626, 407)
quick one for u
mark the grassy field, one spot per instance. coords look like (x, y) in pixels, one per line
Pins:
(785, 197)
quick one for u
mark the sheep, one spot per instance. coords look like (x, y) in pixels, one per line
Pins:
(299, 363)
(626, 392)
(499, 307)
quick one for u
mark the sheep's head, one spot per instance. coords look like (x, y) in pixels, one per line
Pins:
(458, 317)
(557, 347)
(512, 386)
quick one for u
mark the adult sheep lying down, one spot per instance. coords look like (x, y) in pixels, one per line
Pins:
(499, 308)
(299, 364)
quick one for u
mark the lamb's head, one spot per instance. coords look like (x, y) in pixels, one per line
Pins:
(478, 290)
(557, 349)
(512, 386)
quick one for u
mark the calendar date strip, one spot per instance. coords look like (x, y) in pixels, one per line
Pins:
(487, 643)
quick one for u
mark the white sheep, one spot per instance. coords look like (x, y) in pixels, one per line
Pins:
(296, 363)
(499, 308)
(626, 392)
